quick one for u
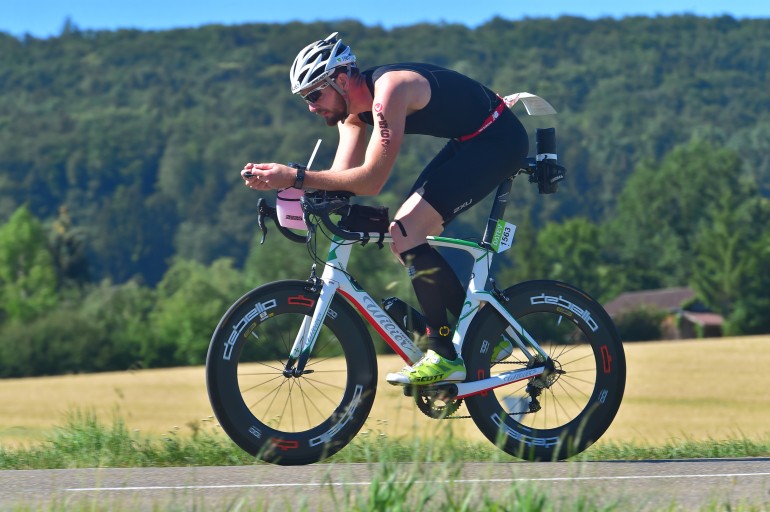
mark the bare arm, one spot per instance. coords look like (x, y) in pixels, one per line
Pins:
(352, 145)
(396, 95)
(389, 111)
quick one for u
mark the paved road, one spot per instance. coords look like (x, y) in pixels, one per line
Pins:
(644, 485)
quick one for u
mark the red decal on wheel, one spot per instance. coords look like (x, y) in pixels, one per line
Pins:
(301, 300)
(284, 444)
(606, 359)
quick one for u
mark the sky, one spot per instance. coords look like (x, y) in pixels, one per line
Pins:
(45, 18)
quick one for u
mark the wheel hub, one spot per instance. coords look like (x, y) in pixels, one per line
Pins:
(551, 373)
(294, 372)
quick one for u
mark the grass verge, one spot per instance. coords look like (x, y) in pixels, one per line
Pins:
(86, 442)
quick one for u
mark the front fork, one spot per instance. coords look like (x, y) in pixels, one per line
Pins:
(308, 332)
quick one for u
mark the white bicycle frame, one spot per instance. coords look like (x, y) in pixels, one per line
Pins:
(335, 279)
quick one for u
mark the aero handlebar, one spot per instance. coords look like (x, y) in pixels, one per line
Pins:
(320, 204)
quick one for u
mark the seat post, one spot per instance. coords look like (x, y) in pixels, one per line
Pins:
(498, 209)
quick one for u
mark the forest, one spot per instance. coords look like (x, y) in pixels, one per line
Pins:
(126, 231)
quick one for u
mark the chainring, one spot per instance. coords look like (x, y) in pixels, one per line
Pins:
(436, 405)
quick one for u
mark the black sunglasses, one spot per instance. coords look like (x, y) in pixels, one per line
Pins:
(315, 94)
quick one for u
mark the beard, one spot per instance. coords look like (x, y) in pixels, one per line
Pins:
(338, 111)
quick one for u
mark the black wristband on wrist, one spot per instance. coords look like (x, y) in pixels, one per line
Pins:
(300, 179)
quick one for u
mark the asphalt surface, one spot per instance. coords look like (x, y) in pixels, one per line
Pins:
(638, 485)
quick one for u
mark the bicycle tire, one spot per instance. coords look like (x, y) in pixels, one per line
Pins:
(284, 419)
(576, 406)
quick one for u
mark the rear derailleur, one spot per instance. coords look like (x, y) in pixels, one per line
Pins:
(545, 380)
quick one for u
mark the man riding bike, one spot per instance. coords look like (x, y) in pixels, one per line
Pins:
(487, 144)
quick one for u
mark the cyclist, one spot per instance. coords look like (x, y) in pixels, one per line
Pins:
(487, 143)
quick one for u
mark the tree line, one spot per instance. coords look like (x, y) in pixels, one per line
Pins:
(125, 231)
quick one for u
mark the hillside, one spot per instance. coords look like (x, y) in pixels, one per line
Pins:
(156, 125)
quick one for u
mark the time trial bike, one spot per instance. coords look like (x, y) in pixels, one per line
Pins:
(292, 372)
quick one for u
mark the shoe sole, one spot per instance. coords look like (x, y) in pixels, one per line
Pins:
(394, 379)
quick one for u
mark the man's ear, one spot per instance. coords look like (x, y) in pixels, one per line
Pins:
(343, 81)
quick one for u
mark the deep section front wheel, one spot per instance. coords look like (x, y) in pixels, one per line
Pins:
(562, 412)
(283, 416)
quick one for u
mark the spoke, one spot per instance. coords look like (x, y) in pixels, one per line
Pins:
(319, 361)
(571, 372)
(323, 394)
(285, 404)
(320, 413)
(556, 402)
(255, 374)
(566, 382)
(573, 361)
(311, 380)
(564, 349)
(517, 393)
(274, 394)
(296, 388)
(288, 404)
(318, 351)
(279, 339)
(320, 348)
(304, 404)
(568, 377)
(262, 363)
(566, 394)
(250, 388)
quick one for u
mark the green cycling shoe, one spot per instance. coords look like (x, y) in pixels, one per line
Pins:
(432, 368)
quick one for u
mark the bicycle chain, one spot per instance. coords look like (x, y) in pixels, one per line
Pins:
(452, 417)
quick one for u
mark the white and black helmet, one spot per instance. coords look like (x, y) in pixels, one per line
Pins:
(317, 61)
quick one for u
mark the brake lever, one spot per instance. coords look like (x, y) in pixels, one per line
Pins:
(263, 210)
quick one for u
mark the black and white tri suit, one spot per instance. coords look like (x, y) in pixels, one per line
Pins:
(487, 143)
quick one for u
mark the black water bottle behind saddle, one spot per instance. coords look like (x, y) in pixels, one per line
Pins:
(548, 173)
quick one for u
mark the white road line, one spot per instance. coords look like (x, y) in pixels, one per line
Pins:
(460, 481)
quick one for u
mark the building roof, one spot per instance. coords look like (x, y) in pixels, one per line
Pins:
(666, 299)
(704, 319)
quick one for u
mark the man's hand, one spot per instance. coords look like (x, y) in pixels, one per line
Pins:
(268, 176)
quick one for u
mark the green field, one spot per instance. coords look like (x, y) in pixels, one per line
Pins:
(686, 390)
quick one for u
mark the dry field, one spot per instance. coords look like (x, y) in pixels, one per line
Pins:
(699, 389)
